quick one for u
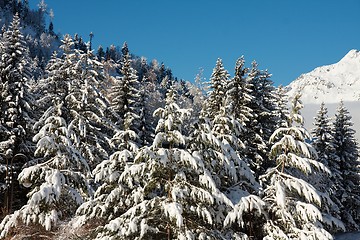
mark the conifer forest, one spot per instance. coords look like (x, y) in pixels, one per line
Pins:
(102, 144)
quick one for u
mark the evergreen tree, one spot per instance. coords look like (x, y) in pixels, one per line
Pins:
(263, 104)
(72, 132)
(88, 109)
(217, 144)
(100, 54)
(255, 137)
(58, 182)
(15, 94)
(281, 111)
(323, 142)
(146, 133)
(172, 195)
(218, 85)
(16, 100)
(108, 202)
(347, 149)
(125, 142)
(77, 79)
(239, 93)
(125, 96)
(51, 28)
(292, 203)
(235, 178)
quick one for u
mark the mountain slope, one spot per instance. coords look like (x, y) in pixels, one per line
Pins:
(331, 83)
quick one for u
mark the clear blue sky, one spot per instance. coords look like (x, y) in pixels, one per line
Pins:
(287, 37)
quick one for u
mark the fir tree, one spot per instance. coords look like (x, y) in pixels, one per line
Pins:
(218, 85)
(293, 204)
(58, 182)
(346, 149)
(70, 135)
(15, 94)
(88, 109)
(323, 142)
(76, 79)
(263, 104)
(255, 137)
(281, 111)
(239, 93)
(108, 202)
(16, 116)
(146, 133)
(217, 145)
(173, 196)
(125, 96)
(100, 54)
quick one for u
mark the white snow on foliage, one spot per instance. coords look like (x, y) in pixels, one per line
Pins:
(174, 210)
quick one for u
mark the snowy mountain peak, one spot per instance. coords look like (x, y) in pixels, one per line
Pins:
(351, 55)
(330, 83)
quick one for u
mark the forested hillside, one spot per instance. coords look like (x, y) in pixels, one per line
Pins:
(101, 144)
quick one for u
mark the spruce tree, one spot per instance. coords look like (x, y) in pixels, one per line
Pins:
(89, 108)
(58, 182)
(218, 85)
(172, 195)
(323, 142)
(292, 203)
(71, 134)
(125, 95)
(15, 94)
(217, 144)
(16, 117)
(256, 133)
(346, 148)
(239, 94)
(108, 202)
(146, 128)
(281, 112)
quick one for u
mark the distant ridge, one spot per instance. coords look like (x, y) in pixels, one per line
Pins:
(330, 83)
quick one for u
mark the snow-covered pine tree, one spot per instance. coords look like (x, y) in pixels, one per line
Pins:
(76, 78)
(88, 108)
(68, 133)
(346, 148)
(230, 169)
(282, 110)
(146, 129)
(239, 93)
(173, 196)
(58, 182)
(109, 200)
(15, 95)
(216, 95)
(292, 203)
(125, 95)
(323, 143)
(264, 100)
(217, 144)
(260, 122)
(15, 102)
(56, 80)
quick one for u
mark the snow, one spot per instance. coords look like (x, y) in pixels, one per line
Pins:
(331, 83)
